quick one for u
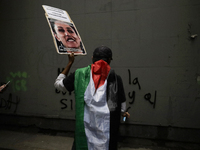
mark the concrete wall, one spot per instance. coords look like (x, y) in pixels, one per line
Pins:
(152, 51)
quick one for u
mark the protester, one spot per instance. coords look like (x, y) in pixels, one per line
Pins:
(99, 98)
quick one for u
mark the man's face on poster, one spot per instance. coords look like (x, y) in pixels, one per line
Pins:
(66, 35)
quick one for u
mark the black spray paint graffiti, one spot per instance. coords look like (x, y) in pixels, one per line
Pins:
(6, 104)
(66, 104)
(69, 103)
(132, 94)
(148, 98)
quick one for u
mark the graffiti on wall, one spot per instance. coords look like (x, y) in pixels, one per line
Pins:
(18, 80)
(68, 103)
(9, 103)
(147, 96)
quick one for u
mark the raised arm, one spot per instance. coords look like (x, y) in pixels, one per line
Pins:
(70, 62)
(59, 81)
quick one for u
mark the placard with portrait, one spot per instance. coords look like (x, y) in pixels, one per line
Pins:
(65, 34)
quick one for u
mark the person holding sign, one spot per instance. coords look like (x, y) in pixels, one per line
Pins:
(99, 98)
(68, 37)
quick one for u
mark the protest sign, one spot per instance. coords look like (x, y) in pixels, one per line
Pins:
(65, 35)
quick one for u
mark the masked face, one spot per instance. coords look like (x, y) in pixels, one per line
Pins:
(66, 35)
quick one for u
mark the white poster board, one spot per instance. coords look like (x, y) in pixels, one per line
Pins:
(65, 35)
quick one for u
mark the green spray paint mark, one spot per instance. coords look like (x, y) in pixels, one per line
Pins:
(18, 80)
(19, 74)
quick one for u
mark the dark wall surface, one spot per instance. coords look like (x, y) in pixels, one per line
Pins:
(155, 48)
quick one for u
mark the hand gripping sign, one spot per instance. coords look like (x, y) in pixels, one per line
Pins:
(65, 35)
